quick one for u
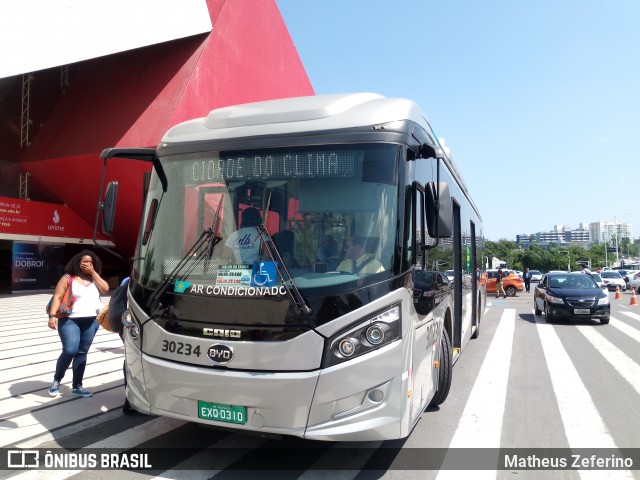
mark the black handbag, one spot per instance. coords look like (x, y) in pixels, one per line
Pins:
(117, 306)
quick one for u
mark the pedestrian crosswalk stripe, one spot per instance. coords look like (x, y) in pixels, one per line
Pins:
(573, 399)
(233, 445)
(574, 402)
(130, 438)
(619, 360)
(633, 315)
(626, 329)
(481, 423)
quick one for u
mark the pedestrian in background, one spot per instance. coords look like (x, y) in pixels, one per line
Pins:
(499, 287)
(78, 329)
(526, 276)
(117, 306)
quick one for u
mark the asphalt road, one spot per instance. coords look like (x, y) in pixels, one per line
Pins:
(541, 391)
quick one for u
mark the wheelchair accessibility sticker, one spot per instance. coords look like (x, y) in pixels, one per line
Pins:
(264, 274)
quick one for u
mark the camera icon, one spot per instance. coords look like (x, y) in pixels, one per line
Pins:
(23, 459)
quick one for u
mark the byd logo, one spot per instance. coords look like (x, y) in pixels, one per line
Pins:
(220, 353)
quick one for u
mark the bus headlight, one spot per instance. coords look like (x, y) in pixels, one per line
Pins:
(127, 318)
(132, 326)
(375, 333)
(363, 337)
(348, 347)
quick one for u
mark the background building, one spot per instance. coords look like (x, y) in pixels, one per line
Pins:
(605, 232)
(74, 81)
(598, 232)
(561, 234)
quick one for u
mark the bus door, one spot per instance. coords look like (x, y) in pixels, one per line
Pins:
(456, 341)
(475, 313)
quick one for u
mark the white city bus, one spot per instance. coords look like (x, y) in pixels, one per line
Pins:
(284, 277)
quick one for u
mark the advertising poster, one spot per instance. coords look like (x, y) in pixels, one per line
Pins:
(36, 266)
(26, 217)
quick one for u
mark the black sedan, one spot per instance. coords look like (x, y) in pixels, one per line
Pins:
(570, 296)
(430, 288)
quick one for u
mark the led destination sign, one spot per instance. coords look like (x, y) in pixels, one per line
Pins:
(273, 166)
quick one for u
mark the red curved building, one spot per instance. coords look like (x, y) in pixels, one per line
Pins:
(127, 77)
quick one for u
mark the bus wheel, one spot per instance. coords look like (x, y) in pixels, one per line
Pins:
(444, 371)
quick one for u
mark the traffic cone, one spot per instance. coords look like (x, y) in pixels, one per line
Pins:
(634, 300)
(618, 294)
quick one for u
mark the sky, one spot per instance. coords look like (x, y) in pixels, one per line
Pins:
(538, 100)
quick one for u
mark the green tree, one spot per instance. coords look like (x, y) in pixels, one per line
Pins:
(625, 244)
(504, 250)
(534, 258)
(553, 256)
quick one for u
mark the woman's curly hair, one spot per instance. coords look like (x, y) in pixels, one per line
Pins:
(73, 267)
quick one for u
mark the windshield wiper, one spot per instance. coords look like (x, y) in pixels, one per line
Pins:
(214, 236)
(287, 279)
(211, 237)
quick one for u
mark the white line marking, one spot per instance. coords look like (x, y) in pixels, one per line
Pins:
(582, 422)
(633, 315)
(480, 425)
(620, 361)
(121, 441)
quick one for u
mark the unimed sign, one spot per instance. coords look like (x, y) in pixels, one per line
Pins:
(36, 266)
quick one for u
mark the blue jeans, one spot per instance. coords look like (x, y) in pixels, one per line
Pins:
(76, 335)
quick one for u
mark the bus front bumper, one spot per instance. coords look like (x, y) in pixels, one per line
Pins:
(360, 400)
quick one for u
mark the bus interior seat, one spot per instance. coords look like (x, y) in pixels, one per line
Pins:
(285, 241)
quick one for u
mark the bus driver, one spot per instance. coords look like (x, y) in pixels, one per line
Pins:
(357, 261)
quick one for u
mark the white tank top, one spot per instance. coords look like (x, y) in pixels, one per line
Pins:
(87, 302)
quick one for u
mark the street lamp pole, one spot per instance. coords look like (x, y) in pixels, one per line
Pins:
(617, 234)
(615, 225)
(569, 261)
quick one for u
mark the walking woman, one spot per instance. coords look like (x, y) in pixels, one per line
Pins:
(499, 286)
(78, 329)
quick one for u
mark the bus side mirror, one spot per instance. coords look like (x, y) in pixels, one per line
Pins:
(109, 208)
(427, 151)
(439, 210)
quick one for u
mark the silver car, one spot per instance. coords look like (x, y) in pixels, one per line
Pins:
(613, 279)
(598, 279)
(536, 275)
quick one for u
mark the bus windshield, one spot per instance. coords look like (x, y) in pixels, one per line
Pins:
(330, 210)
